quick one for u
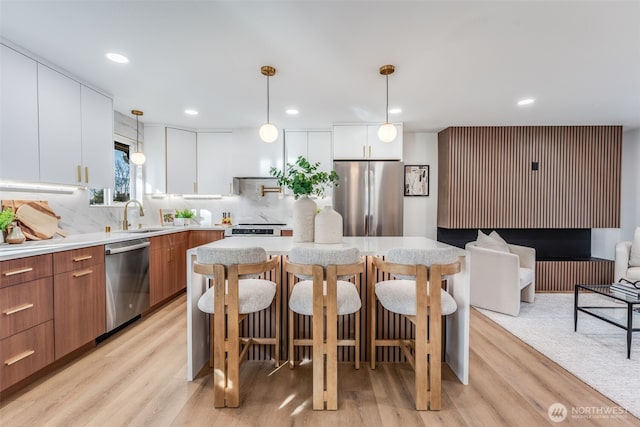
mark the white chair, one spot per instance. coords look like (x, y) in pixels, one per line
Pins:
(416, 293)
(627, 259)
(236, 291)
(324, 292)
(499, 280)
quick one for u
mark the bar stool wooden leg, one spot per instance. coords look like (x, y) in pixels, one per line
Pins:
(219, 362)
(318, 341)
(233, 341)
(332, 338)
(435, 341)
(373, 306)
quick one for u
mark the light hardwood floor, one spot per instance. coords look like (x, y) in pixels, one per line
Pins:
(137, 378)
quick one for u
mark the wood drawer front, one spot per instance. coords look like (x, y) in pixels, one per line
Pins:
(25, 353)
(77, 259)
(169, 240)
(23, 270)
(202, 237)
(26, 305)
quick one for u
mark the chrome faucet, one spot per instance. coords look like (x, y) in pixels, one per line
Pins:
(125, 222)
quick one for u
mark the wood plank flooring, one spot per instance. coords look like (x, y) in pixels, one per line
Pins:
(137, 378)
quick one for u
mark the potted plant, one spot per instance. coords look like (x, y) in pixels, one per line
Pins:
(6, 218)
(304, 179)
(183, 217)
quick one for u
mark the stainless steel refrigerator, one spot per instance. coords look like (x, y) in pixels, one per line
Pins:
(370, 197)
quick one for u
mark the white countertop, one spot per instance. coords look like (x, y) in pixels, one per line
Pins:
(76, 241)
(366, 245)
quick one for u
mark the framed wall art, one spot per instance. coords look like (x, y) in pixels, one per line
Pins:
(167, 216)
(416, 180)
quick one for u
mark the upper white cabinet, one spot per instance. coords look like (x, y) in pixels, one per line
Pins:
(358, 142)
(251, 157)
(181, 162)
(18, 116)
(154, 170)
(60, 127)
(213, 163)
(315, 146)
(61, 130)
(97, 139)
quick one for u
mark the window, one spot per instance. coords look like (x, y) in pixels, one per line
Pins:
(122, 186)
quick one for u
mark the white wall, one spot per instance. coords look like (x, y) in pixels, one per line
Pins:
(420, 212)
(603, 240)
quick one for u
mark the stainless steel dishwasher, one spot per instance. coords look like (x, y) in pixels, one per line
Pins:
(127, 267)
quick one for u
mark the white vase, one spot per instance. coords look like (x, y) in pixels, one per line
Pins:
(304, 214)
(180, 221)
(328, 227)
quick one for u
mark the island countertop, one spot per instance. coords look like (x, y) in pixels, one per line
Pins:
(457, 333)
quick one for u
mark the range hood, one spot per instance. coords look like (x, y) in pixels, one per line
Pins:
(255, 186)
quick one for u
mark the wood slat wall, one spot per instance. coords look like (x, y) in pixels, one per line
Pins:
(486, 179)
(562, 276)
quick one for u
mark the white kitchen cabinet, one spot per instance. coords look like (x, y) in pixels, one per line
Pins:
(154, 169)
(97, 139)
(213, 165)
(60, 127)
(251, 157)
(357, 142)
(315, 146)
(18, 116)
(181, 162)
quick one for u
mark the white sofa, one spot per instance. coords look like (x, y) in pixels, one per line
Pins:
(500, 280)
(622, 269)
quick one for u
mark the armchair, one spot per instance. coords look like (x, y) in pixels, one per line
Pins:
(500, 280)
(622, 267)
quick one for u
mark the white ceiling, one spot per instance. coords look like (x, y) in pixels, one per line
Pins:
(457, 63)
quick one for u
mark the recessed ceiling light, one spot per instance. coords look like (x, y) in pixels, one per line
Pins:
(395, 110)
(526, 101)
(116, 57)
(292, 111)
(191, 112)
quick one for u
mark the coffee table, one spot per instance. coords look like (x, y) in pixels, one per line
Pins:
(614, 314)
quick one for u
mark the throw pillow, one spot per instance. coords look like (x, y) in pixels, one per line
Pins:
(634, 257)
(489, 242)
(495, 236)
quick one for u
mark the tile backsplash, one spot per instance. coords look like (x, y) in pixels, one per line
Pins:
(76, 216)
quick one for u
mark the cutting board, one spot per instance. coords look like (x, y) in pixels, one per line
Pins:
(36, 219)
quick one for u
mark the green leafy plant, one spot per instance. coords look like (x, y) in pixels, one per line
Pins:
(6, 218)
(303, 178)
(185, 213)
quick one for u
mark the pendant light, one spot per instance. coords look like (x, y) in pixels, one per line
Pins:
(387, 132)
(268, 132)
(137, 158)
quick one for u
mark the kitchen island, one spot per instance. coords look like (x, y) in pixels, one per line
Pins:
(457, 324)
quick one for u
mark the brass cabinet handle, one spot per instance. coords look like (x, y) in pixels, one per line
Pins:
(86, 174)
(82, 258)
(17, 309)
(18, 357)
(82, 273)
(14, 272)
(369, 151)
(364, 153)
(79, 173)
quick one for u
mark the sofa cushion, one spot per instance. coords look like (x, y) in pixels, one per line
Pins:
(526, 276)
(634, 258)
(399, 296)
(633, 273)
(488, 242)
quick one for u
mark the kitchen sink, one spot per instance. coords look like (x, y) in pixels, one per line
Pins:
(141, 230)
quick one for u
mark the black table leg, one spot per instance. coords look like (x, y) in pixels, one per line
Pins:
(629, 329)
(575, 310)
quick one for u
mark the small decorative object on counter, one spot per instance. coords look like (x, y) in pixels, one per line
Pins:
(15, 235)
(6, 218)
(226, 218)
(328, 226)
(183, 217)
(304, 179)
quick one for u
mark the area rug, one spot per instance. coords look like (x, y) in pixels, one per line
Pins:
(596, 353)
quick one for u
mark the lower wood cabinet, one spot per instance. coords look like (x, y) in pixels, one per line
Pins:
(79, 298)
(167, 266)
(202, 237)
(24, 353)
